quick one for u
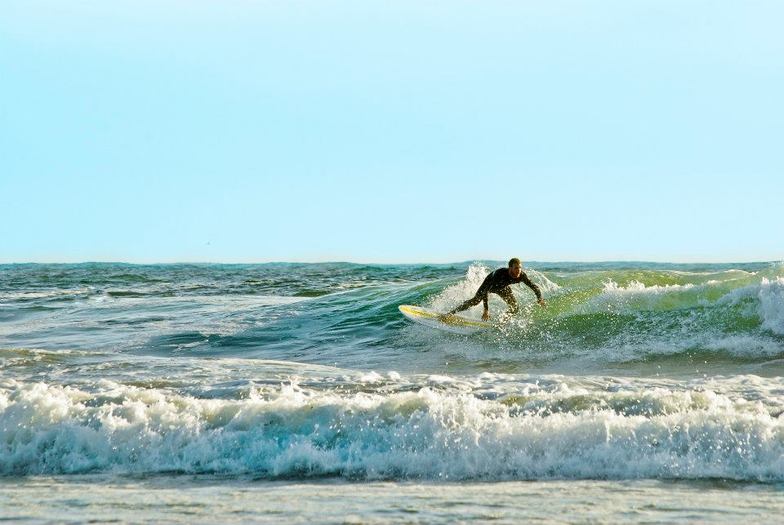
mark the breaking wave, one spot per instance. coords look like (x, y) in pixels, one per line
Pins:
(487, 428)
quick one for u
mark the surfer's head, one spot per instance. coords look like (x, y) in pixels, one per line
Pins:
(515, 267)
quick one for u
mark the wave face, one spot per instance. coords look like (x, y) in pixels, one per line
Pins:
(347, 314)
(633, 370)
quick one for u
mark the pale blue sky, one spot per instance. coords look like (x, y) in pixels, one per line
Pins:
(242, 131)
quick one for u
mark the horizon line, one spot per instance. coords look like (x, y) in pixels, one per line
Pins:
(384, 263)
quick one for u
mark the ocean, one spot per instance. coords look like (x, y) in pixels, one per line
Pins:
(298, 393)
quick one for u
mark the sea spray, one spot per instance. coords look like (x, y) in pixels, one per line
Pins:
(771, 304)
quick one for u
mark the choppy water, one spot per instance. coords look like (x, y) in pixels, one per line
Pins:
(296, 379)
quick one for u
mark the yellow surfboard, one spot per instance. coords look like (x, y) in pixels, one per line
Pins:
(448, 322)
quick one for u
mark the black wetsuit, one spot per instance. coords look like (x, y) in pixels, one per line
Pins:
(498, 283)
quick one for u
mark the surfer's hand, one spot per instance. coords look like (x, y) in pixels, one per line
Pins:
(485, 315)
(542, 303)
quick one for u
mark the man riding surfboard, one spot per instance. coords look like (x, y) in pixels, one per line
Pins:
(498, 282)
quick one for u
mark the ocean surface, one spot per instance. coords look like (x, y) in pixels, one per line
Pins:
(298, 393)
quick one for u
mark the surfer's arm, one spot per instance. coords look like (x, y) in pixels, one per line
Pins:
(533, 287)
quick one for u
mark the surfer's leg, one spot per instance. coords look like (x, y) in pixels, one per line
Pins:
(506, 295)
(475, 300)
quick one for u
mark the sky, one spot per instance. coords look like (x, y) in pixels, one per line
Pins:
(394, 131)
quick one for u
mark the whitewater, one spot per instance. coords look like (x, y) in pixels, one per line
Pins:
(298, 393)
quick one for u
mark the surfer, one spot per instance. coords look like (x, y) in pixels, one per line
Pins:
(498, 283)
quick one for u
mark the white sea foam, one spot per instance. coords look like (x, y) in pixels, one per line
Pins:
(29, 295)
(636, 296)
(744, 345)
(768, 296)
(638, 288)
(771, 308)
(371, 377)
(545, 285)
(547, 430)
(460, 291)
(764, 299)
